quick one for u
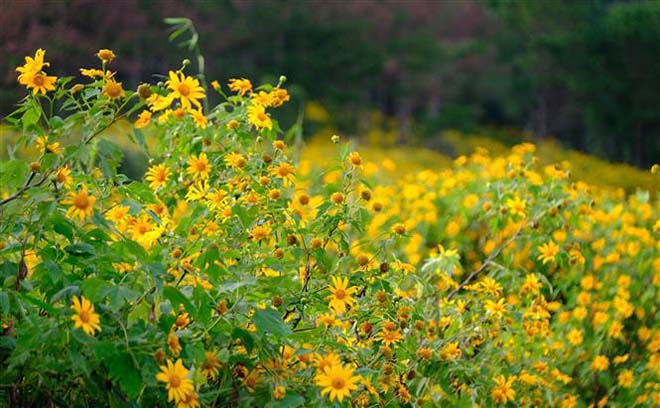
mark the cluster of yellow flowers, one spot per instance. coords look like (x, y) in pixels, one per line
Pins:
(234, 275)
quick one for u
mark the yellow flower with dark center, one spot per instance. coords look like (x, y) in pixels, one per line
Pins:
(258, 117)
(157, 176)
(259, 232)
(548, 252)
(175, 376)
(389, 337)
(81, 204)
(503, 391)
(144, 118)
(235, 160)
(210, 366)
(113, 89)
(341, 294)
(284, 170)
(240, 86)
(186, 88)
(38, 82)
(106, 55)
(355, 159)
(199, 166)
(63, 176)
(337, 382)
(85, 318)
(32, 76)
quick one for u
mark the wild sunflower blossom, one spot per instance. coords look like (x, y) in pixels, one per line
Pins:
(157, 176)
(187, 89)
(175, 376)
(258, 117)
(199, 166)
(240, 86)
(81, 204)
(337, 381)
(85, 318)
(341, 294)
(32, 75)
(548, 252)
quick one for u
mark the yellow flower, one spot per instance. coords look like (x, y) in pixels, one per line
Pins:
(516, 206)
(548, 252)
(389, 337)
(113, 89)
(531, 284)
(325, 361)
(341, 294)
(337, 382)
(85, 317)
(235, 160)
(199, 166)
(199, 118)
(32, 76)
(38, 82)
(63, 176)
(159, 102)
(117, 214)
(241, 86)
(197, 191)
(186, 88)
(284, 170)
(497, 309)
(215, 85)
(210, 366)
(106, 55)
(278, 97)
(503, 391)
(81, 204)
(258, 118)
(600, 363)
(355, 159)
(451, 351)
(259, 232)
(179, 386)
(144, 118)
(173, 343)
(35, 64)
(157, 176)
(92, 73)
(575, 337)
(625, 378)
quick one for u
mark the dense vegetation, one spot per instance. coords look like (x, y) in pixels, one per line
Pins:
(232, 274)
(584, 72)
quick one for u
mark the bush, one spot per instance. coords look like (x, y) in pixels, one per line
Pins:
(231, 275)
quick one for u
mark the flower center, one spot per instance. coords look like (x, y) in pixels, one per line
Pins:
(200, 166)
(184, 89)
(81, 202)
(175, 381)
(84, 316)
(340, 294)
(38, 80)
(262, 116)
(338, 383)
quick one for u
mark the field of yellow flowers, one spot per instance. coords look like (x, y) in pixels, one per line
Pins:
(233, 275)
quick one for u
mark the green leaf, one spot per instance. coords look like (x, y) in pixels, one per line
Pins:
(4, 302)
(177, 298)
(270, 321)
(80, 249)
(125, 373)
